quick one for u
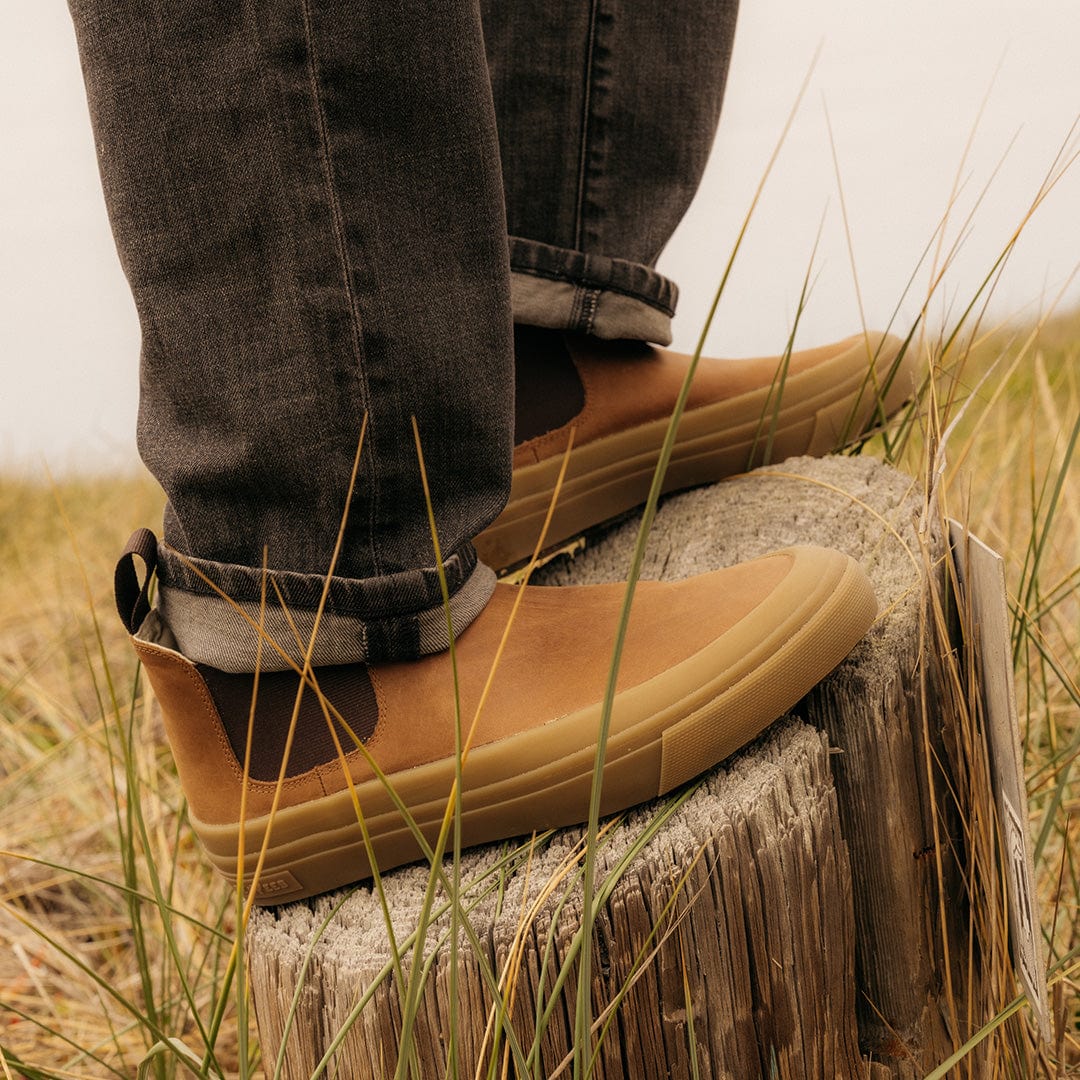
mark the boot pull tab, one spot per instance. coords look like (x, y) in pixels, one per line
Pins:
(133, 598)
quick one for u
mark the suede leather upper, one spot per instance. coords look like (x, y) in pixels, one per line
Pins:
(627, 384)
(555, 662)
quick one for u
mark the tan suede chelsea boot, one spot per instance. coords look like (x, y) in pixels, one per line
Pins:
(708, 663)
(618, 396)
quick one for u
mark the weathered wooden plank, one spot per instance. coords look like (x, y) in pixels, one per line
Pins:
(747, 977)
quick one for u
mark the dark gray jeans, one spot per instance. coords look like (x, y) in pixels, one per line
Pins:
(327, 209)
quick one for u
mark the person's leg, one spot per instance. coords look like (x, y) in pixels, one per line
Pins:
(306, 196)
(307, 201)
(607, 111)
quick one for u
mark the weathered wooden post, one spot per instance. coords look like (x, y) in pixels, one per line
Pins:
(793, 915)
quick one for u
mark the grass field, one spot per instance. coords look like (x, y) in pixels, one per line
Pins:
(115, 938)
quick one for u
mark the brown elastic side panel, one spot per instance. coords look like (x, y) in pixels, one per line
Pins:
(347, 687)
(547, 388)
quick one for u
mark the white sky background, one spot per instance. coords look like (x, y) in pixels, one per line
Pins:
(903, 85)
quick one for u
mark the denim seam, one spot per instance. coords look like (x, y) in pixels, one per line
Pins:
(338, 219)
(586, 112)
(599, 286)
(261, 63)
(591, 302)
(598, 132)
(575, 307)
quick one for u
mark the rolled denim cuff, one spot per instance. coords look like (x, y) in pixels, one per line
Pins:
(562, 289)
(372, 620)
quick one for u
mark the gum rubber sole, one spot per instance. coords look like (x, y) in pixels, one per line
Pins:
(663, 733)
(610, 476)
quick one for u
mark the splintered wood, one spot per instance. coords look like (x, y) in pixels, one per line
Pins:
(790, 916)
(726, 914)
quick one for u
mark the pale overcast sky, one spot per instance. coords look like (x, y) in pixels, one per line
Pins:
(903, 86)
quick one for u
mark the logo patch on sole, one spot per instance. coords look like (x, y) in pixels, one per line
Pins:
(279, 883)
